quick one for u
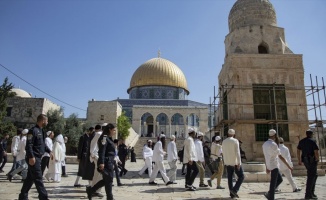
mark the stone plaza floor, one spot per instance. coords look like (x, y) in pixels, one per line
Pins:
(137, 188)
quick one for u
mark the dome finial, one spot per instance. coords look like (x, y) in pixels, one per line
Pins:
(159, 53)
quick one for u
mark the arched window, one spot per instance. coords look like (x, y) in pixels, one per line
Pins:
(263, 48)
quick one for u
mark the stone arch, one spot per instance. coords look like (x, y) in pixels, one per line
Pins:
(147, 123)
(193, 120)
(263, 48)
(162, 121)
(177, 125)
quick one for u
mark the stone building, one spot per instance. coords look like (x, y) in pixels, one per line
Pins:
(157, 102)
(261, 83)
(23, 109)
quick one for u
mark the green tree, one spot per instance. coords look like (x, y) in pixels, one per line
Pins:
(56, 121)
(123, 126)
(73, 130)
(5, 93)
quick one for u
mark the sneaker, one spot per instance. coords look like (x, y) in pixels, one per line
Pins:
(220, 187)
(169, 183)
(191, 189)
(234, 193)
(203, 185)
(9, 177)
(310, 197)
(120, 184)
(64, 175)
(152, 183)
(209, 183)
(78, 185)
(297, 190)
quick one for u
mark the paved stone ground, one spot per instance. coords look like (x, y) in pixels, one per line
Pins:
(137, 188)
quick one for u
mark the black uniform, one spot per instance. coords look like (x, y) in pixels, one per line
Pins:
(123, 154)
(106, 155)
(35, 148)
(86, 167)
(308, 146)
(3, 149)
(207, 154)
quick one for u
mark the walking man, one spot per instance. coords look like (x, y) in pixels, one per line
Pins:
(158, 157)
(232, 161)
(3, 151)
(283, 168)
(46, 156)
(35, 148)
(201, 160)
(148, 157)
(216, 156)
(172, 159)
(307, 152)
(272, 153)
(14, 149)
(190, 158)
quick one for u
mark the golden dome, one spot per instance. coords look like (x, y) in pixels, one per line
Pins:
(158, 72)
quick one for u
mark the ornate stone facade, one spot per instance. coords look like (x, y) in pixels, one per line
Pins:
(258, 62)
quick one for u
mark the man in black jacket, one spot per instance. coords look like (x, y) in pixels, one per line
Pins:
(35, 148)
(123, 156)
(3, 151)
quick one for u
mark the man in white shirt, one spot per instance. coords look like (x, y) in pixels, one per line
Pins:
(158, 156)
(148, 158)
(201, 160)
(283, 168)
(272, 153)
(216, 156)
(94, 157)
(190, 158)
(232, 161)
(14, 149)
(172, 159)
(46, 157)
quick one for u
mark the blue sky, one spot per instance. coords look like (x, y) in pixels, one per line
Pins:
(79, 50)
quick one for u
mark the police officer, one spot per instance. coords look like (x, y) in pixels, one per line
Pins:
(35, 148)
(105, 162)
(307, 152)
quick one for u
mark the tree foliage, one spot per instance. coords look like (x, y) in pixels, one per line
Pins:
(123, 126)
(73, 130)
(5, 93)
(56, 121)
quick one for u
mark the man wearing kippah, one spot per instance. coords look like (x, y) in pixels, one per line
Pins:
(272, 153)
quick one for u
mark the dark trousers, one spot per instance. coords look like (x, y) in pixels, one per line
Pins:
(15, 165)
(45, 163)
(122, 165)
(107, 182)
(183, 168)
(192, 172)
(34, 175)
(311, 177)
(239, 172)
(209, 165)
(116, 170)
(4, 161)
(276, 180)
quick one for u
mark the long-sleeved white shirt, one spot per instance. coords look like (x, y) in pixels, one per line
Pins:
(271, 153)
(147, 152)
(199, 150)
(94, 147)
(216, 150)
(49, 144)
(286, 155)
(189, 153)
(14, 145)
(231, 151)
(172, 151)
(21, 149)
(158, 153)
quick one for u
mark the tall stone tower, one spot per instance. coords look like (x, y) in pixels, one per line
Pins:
(261, 83)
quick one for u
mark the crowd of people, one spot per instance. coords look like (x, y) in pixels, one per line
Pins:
(101, 158)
